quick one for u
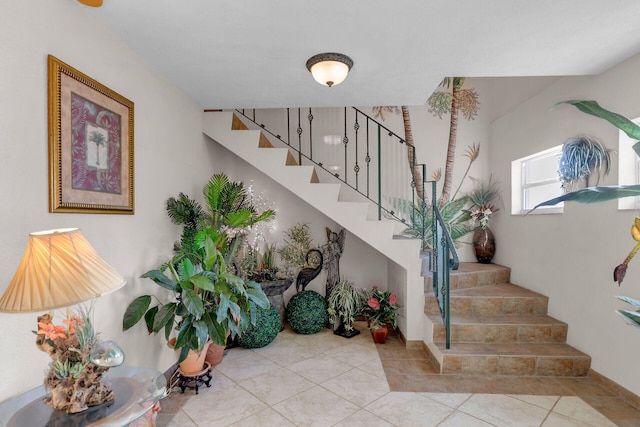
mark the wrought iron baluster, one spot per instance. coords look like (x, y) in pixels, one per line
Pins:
(367, 159)
(345, 141)
(310, 117)
(299, 130)
(356, 168)
(288, 128)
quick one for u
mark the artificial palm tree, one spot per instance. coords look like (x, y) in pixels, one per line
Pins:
(228, 211)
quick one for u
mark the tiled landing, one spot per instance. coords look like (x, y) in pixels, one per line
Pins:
(326, 380)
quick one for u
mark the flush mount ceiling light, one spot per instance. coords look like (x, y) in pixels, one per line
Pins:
(92, 3)
(330, 68)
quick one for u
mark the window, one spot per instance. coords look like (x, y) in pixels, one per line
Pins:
(628, 168)
(534, 179)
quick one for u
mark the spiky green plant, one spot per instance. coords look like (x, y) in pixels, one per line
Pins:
(345, 302)
(294, 251)
(420, 226)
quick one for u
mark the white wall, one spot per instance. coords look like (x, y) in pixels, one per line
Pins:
(570, 257)
(171, 155)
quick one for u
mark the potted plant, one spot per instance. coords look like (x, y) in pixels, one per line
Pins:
(209, 303)
(345, 303)
(263, 270)
(228, 209)
(483, 200)
(380, 312)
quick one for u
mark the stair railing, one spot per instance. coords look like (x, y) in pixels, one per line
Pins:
(443, 254)
(348, 145)
(371, 148)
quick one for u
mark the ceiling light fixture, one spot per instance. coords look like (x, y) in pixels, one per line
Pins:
(330, 68)
(92, 3)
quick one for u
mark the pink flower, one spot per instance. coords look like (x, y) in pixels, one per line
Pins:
(373, 303)
(51, 331)
(393, 299)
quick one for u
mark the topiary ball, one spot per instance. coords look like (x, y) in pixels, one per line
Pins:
(307, 312)
(265, 330)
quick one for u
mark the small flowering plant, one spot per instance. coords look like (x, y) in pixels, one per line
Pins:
(482, 214)
(381, 308)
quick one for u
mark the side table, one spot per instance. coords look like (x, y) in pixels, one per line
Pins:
(136, 390)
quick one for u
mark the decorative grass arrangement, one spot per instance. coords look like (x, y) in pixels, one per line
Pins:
(307, 312)
(346, 302)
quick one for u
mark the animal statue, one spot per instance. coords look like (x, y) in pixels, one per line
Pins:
(333, 248)
(307, 274)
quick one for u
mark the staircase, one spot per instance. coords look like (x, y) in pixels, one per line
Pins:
(498, 328)
(279, 164)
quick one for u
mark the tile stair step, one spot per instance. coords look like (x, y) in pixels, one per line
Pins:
(500, 328)
(502, 298)
(529, 359)
(472, 274)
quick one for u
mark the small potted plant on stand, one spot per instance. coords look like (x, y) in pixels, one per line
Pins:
(381, 313)
(345, 302)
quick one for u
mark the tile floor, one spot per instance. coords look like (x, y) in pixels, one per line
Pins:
(326, 380)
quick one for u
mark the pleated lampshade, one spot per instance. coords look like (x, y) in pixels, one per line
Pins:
(59, 268)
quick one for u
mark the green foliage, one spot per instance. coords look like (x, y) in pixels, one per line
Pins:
(631, 317)
(265, 330)
(297, 244)
(594, 109)
(456, 218)
(208, 301)
(346, 302)
(581, 156)
(227, 210)
(307, 312)
(381, 308)
(67, 369)
(484, 192)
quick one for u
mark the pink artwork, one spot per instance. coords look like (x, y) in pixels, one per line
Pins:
(95, 149)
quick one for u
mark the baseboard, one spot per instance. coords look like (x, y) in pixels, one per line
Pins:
(615, 388)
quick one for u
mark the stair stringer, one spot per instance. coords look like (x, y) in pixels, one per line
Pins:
(402, 253)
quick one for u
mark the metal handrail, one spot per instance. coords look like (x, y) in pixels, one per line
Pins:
(444, 259)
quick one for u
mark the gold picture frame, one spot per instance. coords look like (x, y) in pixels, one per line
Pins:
(90, 145)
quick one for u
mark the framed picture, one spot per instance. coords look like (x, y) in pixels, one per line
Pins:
(90, 145)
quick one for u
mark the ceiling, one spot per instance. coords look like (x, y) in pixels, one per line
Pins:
(252, 53)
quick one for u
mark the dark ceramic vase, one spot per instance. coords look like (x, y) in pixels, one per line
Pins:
(484, 243)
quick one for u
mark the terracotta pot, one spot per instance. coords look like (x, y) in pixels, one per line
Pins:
(214, 354)
(194, 361)
(380, 335)
(484, 244)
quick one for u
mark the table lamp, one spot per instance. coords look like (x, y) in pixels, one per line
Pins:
(60, 268)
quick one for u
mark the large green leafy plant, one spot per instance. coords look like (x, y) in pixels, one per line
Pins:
(207, 301)
(228, 211)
